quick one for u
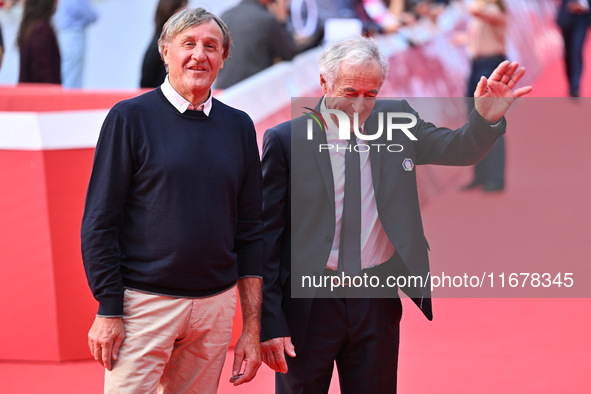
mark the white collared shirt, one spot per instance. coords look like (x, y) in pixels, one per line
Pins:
(376, 248)
(179, 102)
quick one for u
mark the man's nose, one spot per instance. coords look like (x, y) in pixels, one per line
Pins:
(358, 104)
(199, 53)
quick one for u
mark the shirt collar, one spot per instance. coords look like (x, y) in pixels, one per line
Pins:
(333, 129)
(179, 102)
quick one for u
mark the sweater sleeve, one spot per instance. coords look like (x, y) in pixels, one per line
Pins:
(103, 214)
(248, 241)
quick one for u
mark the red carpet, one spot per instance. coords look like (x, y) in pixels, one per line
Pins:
(474, 345)
(540, 223)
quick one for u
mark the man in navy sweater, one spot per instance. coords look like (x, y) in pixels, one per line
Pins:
(172, 223)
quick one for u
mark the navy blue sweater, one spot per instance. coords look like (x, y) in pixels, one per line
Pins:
(173, 204)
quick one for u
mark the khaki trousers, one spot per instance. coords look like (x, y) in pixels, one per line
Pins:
(172, 345)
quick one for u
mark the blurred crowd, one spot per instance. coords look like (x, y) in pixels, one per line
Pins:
(51, 38)
(267, 31)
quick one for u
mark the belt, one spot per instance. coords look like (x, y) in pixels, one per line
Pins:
(384, 268)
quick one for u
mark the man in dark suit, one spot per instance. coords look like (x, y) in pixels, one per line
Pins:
(308, 219)
(574, 19)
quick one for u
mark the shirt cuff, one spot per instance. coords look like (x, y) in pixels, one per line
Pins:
(497, 123)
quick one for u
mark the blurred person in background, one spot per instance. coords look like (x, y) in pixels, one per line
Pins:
(260, 37)
(389, 16)
(71, 20)
(485, 39)
(345, 9)
(153, 69)
(389, 22)
(40, 60)
(574, 19)
(1, 47)
(172, 224)
(8, 4)
(429, 9)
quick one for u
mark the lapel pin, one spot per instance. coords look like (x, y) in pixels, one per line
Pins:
(407, 164)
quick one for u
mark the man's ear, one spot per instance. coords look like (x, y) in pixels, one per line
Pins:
(165, 54)
(323, 84)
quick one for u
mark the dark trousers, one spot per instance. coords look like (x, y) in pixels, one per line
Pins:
(491, 169)
(360, 334)
(574, 35)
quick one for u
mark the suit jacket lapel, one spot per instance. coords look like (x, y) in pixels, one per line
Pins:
(375, 157)
(323, 160)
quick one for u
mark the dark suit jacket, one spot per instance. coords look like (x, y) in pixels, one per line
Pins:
(299, 207)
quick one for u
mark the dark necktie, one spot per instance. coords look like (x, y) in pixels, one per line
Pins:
(350, 246)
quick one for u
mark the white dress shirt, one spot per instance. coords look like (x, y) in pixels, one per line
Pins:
(376, 248)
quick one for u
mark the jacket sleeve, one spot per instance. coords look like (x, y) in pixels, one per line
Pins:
(275, 165)
(464, 146)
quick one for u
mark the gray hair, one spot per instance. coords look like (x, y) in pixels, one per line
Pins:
(354, 50)
(187, 19)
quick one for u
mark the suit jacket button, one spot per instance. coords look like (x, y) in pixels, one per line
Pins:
(328, 239)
